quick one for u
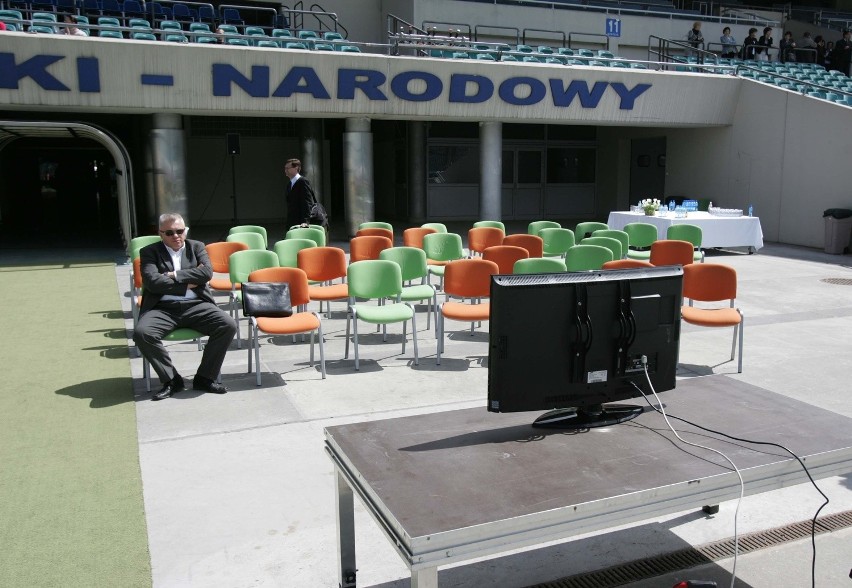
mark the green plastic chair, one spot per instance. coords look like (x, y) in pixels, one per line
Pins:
(587, 257)
(412, 264)
(586, 229)
(441, 248)
(613, 245)
(240, 265)
(180, 334)
(314, 234)
(253, 240)
(621, 236)
(251, 229)
(641, 236)
(377, 279)
(287, 251)
(135, 246)
(137, 243)
(691, 233)
(534, 227)
(539, 265)
(556, 242)
(439, 227)
(492, 224)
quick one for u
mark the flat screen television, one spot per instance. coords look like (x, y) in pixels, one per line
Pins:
(570, 343)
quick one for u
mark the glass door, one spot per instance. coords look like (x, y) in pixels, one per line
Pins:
(523, 182)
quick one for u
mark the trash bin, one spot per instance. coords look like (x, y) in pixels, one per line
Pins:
(838, 230)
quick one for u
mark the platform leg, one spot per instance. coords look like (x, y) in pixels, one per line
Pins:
(425, 578)
(345, 532)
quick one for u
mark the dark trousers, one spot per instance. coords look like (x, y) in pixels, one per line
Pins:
(167, 316)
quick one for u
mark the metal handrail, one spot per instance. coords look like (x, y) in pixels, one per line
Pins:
(571, 34)
(497, 28)
(426, 23)
(557, 33)
(791, 79)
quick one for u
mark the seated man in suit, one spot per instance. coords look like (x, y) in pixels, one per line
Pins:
(175, 273)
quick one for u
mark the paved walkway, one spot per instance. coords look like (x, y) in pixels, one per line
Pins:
(238, 490)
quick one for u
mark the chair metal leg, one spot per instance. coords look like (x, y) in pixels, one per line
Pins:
(741, 329)
(235, 316)
(256, 352)
(355, 338)
(312, 349)
(439, 329)
(322, 350)
(414, 336)
(348, 317)
(404, 334)
(249, 349)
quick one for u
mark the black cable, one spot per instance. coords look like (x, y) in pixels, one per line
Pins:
(798, 459)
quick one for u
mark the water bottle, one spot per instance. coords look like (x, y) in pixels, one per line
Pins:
(671, 205)
(750, 209)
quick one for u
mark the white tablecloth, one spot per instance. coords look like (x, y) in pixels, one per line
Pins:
(717, 231)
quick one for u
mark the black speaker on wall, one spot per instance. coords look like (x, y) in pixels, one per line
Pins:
(233, 140)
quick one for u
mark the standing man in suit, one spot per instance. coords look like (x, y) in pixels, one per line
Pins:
(299, 195)
(175, 273)
(842, 55)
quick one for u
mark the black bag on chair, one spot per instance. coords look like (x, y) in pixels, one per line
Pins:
(267, 299)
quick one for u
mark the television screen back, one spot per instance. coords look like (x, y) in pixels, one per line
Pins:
(578, 339)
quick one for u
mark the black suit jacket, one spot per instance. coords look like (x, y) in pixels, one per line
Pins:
(156, 262)
(299, 202)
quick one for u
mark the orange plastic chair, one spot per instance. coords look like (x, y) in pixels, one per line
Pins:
(626, 264)
(465, 278)
(368, 247)
(375, 232)
(298, 322)
(532, 243)
(413, 237)
(481, 238)
(324, 265)
(219, 254)
(671, 252)
(711, 282)
(505, 257)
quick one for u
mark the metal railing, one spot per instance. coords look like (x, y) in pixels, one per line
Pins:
(573, 34)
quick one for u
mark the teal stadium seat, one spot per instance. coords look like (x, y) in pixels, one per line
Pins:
(142, 36)
(295, 45)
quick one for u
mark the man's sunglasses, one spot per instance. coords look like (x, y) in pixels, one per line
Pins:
(172, 233)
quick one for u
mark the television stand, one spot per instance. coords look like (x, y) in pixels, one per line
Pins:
(588, 417)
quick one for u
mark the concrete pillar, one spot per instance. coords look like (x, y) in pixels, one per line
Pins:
(165, 167)
(490, 170)
(311, 156)
(358, 188)
(416, 171)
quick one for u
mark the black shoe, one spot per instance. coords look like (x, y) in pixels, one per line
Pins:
(172, 386)
(201, 383)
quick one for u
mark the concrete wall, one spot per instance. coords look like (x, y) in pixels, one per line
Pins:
(50, 72)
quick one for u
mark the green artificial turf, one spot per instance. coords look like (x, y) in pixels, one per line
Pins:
(71, 510)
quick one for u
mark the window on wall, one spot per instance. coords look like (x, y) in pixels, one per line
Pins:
(571, 165)
(453, 164)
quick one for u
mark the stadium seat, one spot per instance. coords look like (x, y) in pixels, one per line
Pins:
(238, 41)
(171, 25)
(295, 45)
(268, 43)
(110, 34)
(140, 23)
(133, 9)
(278, 33)
(181, 12)
(349, 49)
(206, 14)
(176, 38)
(108, 21)
(142, 36)
(111, 7)
(231, 16)
(332, 36)
(308, 35)
(43, 29)
(323, 47)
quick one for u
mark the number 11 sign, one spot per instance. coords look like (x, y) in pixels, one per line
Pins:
(613, 27)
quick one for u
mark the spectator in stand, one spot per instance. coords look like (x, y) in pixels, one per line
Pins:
(750, 44)
(786, 48)
(71, 27)
(805, 53)
(729, 44)
(765, 40)
(2, 26)
(220, 36)
(842, 54)
(829, 54)
(694, 37)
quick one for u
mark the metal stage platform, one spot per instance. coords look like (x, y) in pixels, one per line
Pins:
(452, 486)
